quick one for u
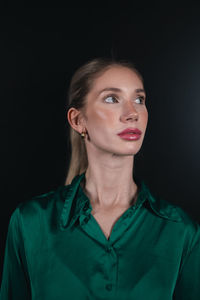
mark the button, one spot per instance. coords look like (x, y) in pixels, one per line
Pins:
(86, 220)
(130, 213)
(85, 208)
(108, 249)
(109, 287)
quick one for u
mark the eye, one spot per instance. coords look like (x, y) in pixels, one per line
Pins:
(110, 99)
(140, 100)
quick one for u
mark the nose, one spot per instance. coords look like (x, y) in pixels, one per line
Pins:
(129, 113)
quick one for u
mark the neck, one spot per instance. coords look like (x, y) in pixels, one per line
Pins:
(109, 183)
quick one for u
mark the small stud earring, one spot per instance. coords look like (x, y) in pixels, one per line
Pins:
(83, 135)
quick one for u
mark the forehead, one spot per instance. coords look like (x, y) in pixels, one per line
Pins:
(117, 76)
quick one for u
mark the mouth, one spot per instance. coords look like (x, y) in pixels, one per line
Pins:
(131, 131)
(131, 134)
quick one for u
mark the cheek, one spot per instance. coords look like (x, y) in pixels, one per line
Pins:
(144, 118)
(101, 116)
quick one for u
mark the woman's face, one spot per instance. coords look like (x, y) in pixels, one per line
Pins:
(116, 102)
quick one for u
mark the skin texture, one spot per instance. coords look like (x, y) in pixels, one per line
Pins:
(109, 184)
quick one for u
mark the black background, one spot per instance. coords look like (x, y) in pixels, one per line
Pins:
(40, 48)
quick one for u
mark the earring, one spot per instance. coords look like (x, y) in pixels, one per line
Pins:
(83, 135)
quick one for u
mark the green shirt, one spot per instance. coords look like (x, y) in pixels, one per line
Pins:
(56, 250)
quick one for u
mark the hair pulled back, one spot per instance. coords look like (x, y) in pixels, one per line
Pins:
(80, 86)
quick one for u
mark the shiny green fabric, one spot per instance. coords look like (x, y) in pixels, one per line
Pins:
(56, 250)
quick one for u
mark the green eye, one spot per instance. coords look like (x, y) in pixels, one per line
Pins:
(139, 100)
(110, 99)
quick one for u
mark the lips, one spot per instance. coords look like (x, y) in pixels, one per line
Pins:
(130, 134)
(130, 131)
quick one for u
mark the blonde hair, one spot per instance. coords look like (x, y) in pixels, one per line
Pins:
(78, 162)
(80, 85)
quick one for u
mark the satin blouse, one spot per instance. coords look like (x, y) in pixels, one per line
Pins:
(56, 250)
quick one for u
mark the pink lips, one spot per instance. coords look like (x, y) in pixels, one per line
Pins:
(130, 134)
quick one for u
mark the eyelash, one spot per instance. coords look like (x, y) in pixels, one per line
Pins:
(142, 98)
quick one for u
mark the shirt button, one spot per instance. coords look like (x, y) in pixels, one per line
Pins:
(85, 208)
(86, 220)
(108, 287)
(108, 249)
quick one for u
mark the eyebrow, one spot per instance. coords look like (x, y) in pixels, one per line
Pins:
(113, 89)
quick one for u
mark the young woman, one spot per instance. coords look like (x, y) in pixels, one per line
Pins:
(102, 235)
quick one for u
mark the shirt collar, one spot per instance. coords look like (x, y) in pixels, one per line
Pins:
(69, 193)
(161, 207)
(77, 204)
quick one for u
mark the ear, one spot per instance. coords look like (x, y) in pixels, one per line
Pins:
(76, 119)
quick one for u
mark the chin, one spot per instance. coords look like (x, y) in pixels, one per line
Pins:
(133, 150)
(127, 153)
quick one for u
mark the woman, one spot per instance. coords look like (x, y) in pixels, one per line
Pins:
(102, 235)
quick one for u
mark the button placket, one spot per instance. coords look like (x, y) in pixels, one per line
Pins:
(110, 267)
(108, 249)
(109, 287)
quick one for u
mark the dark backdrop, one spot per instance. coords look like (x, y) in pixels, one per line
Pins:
(41, 48)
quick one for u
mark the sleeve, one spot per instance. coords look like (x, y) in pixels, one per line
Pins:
(188, 283)
(15, 281)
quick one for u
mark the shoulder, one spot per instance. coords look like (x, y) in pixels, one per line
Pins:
(176, 213)
(166, 209)
(40, 202)
(40, 208)
(182, 222)
(173, 216)
(48, 208)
